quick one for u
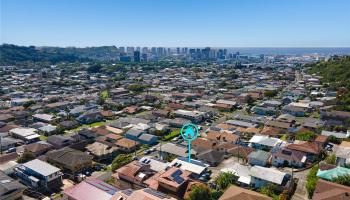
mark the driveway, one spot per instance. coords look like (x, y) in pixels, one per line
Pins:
(300, 192)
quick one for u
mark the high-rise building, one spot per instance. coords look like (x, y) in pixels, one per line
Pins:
(130, 50)
(154, 51)
(137, 57)
(145, 50)
(144, 57)
(178, 50)
(122, 49)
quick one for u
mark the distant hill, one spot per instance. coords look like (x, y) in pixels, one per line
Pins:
(336, 72)
(96, 53)
(13, 54)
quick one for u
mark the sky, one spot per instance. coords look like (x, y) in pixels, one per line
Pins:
(176, 23)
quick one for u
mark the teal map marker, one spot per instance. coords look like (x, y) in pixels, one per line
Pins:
(189, 132)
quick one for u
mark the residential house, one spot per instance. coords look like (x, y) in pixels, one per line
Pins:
(173, 181)
(133, 175)
(39, 174)
(91, 189)
(142, 194)
(173, 149)
(264, 110)
(90, 116)
(311, 149)
(264, 142)
(69, 160)
(59, 141)
(8, 142)
(241, 171)
(28, 135)
(156, 164)
(222, 136)
(46, 118)
(326, 190)
(10, 189)
(194, 116)
(335, 118)
(340, 135)
(196, 167)
(288, 157)
(295, 110)
(47, 130)
(37, 149)
(235, 192)
(342, 152)
(134, 134)
(127, 145)
(101, 151)
(211, 157)
(259, 157)
(329, 172)
(261, 176)
(148, 139)
(242, 124)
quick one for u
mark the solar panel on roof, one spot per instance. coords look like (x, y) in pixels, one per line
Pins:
(176, 173)
(179, 179)
(127, 191)
(103, 186)
(155, 193)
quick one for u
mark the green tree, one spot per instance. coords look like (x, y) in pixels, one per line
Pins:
(120, 160)
(26, 156)
(270, 93)
(333, 139)
(331, 159)
(249, 99)
(200, 192)
(343, 180)
(95, 68)
(269, 190)
(311, 180)
(305, 135)
(224, 180)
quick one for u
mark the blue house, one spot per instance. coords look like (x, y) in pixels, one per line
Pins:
(148, 139)
(264, 110)
(133, 134)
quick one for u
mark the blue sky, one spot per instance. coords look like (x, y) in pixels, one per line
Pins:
(172, 23)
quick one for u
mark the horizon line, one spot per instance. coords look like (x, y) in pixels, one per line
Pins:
(216, 47)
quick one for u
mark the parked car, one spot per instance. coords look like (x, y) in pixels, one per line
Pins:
(11, 150)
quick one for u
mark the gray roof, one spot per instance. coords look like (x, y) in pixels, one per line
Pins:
(134, 132)
(147, 137)
(8, 186)
(336, 134)
(269, 174)
(41, 167)
(259, 155)
(241, 123)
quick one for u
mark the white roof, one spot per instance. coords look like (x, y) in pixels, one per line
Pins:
(265, 140)
(239, 170)
(192, 167)
(193, 113)
(269, 174)
(155, 164)
(41, 167)
(23, 132)
(300, 104)
(226, 102)
(32, 136)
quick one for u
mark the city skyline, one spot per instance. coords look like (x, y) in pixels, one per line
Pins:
(223, 24)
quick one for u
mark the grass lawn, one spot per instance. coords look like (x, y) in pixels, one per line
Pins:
(284, 138)
(104, 94)
(172, 134)
(43, 137)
